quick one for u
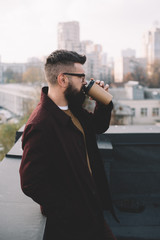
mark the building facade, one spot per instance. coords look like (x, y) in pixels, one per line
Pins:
(15, 67)
(128, 53)
(136, 105)
(124, 65)
(151, 46)
(17, 98)
(69, 39)
(69, 36)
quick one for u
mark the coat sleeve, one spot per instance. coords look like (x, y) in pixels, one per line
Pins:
(101, 117)
(34, 167)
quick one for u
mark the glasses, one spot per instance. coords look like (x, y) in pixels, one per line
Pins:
(75, 74)
(80, 75)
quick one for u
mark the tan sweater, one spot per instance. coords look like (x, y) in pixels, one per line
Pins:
(79, 126)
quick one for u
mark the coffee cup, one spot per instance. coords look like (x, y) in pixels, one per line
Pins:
(98, 93)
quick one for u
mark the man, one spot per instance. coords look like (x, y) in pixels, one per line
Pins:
(61, 167)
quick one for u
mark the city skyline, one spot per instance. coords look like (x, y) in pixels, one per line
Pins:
(29, 27)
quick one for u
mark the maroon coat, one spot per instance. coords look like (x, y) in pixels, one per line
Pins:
(55, 174)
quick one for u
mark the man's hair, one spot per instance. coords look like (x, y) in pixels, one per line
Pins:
(61, 61)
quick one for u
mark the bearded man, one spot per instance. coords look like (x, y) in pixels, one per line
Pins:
(61, 168)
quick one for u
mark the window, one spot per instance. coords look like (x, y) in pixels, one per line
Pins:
(155, 112)
(133, 112)
(143, 112)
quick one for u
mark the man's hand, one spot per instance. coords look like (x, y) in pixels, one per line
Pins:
(101, 84)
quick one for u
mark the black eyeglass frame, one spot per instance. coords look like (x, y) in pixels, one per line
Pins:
(75, 74)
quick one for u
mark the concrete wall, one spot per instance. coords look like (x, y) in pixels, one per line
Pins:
(138, 105)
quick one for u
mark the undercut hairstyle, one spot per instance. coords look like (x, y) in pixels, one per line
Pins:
(61, 61)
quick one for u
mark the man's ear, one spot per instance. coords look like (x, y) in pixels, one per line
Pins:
(62, 80)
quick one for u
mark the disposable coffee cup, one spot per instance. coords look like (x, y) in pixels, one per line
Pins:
(98, 93)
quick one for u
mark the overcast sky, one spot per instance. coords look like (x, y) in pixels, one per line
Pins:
(28, 28)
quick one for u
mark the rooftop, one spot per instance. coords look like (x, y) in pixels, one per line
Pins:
(133, 129)
(132, 163)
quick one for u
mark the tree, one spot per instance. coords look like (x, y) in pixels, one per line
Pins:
(8, 133)
(7, 137)
(139, 74)
(129, 77)
(8, 130)
(33, 75)
(154, 79)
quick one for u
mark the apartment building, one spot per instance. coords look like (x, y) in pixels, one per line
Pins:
(69, 35)
(151, 41)
(17, 98)
(15, 67)
(69, 39)
(151, 47)
(136, 105)
(124, 65)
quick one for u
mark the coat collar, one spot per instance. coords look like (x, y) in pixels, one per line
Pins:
(52, 108)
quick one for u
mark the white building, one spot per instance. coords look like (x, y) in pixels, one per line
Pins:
(15, 67)
(17, 98)
(145, 111)
(124, 65)
(128, 53)
(69, 36)
(69, 39)
(19, 67)
(93, 53)
(151, 46)
(96, 64)
(145, 107)
(134, 91)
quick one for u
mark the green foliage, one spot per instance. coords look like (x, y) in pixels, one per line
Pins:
(8, 130)
(7, 135)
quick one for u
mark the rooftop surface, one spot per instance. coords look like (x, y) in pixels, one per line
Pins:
(134, 176)
(134, 129)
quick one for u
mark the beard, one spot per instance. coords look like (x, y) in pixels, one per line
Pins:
(74, 97)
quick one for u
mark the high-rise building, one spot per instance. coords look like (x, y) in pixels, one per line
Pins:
(95, 65)
(128, 52)
(69, 36)
(69, 39)
(152, 45)
(125, 65)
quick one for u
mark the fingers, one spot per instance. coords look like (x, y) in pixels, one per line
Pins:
(101, 83)
(106, 87)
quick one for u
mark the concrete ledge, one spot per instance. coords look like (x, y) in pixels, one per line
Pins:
(16, 151)
(20, 217)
